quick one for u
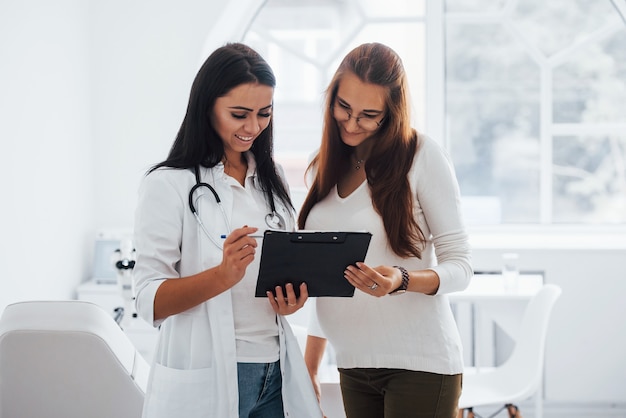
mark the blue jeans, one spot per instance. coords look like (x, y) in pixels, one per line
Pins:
(260, 390)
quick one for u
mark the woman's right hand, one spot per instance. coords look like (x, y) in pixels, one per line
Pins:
(178, 295)
(318, 389)
(315, 379)
(238, 253)
(313, 353)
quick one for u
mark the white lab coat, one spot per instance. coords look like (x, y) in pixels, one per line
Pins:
(194, 371)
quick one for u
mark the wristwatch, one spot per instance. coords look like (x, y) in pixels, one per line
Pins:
(405, 282)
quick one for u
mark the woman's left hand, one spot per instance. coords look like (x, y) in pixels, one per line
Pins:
(377, 281)
(287, 304)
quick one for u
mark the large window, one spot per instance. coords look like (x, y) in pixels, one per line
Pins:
(535, 95)
(532, 94)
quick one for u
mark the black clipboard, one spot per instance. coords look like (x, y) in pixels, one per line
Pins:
(317, 258)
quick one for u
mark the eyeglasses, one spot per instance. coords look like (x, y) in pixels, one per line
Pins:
(367, 123)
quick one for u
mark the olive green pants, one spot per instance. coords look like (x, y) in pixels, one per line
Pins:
(397, 393)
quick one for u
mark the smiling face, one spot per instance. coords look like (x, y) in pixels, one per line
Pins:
(241, 115)
(362, 101)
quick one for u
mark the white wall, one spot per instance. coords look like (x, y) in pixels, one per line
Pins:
(92, 93)
(47, 172)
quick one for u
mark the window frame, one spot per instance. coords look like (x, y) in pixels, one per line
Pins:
(436, 20)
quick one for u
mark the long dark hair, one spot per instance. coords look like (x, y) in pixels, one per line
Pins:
(391, 157)
(198, 144)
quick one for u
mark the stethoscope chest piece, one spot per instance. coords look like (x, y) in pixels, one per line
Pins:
(274, 221)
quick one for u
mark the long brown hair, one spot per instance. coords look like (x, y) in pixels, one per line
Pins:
(391, 157)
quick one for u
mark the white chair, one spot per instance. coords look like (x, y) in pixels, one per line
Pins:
(67, 359)
(520, 376)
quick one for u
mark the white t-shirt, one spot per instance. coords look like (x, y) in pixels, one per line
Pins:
(256, 331)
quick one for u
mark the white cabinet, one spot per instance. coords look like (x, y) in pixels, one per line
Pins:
(109, 297)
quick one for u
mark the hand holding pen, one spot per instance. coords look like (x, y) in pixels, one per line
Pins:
(239, 250)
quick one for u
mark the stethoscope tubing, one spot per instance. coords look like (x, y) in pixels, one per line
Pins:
(196, 187)
(271, 218)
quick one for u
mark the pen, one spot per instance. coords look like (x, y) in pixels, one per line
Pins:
(251, 236)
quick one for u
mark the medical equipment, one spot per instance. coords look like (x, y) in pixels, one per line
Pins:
(124, 261)
(68, 358)
(273, 219)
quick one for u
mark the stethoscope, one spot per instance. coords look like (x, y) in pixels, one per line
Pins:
(273, 219)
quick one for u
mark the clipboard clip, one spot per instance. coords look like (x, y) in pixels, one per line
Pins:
(338, 237)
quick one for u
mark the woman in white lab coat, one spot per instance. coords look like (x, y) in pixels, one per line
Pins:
(221, 351)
